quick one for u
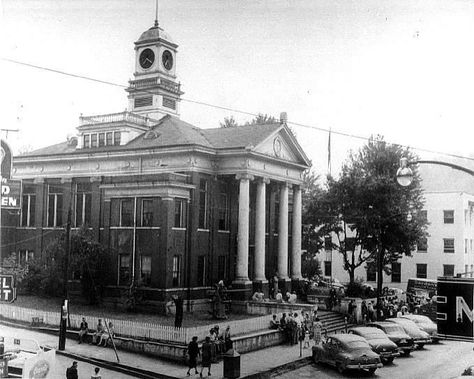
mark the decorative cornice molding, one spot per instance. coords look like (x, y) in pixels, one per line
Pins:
(244, 176)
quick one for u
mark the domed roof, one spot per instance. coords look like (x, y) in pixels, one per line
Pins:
(155, 33)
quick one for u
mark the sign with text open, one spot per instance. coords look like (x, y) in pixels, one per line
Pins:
(7, 288)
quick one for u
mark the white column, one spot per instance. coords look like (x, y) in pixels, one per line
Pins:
(242, 274)
(296, 235)
(260, 231)
(283, 233)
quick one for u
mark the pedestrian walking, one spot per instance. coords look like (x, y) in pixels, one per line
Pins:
(206, 356)
(317, 329)
(96, 374)
(193, 353)
(71, 372)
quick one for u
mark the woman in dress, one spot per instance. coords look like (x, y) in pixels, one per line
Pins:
(206, 356)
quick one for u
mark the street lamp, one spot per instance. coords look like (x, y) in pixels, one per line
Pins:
(404, 173)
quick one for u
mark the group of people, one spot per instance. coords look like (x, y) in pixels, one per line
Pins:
(100, 337)
(214, 345)
(71, 372)
(299, 327)
(389, 308)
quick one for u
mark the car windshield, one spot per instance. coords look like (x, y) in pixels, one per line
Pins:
(393, 329)
(356, 344)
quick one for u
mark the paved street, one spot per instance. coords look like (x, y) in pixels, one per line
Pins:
(446, 360)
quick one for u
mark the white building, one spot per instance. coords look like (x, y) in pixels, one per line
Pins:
(448, 249)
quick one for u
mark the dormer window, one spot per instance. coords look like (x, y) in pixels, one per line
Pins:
(117, 137)
(93, 140)
(87, 141)
(108, 138)
(101, 139)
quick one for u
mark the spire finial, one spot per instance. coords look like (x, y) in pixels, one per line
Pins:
(156, 16)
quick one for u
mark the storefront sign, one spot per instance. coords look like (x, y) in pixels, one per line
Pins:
(11, 194)
(7, 288)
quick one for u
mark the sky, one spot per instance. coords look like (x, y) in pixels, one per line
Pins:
(401, 69)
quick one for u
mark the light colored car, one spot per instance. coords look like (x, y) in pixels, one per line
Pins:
(378, 341)
(425, 324)
(347, 352)
(420, 338)
(397, 335)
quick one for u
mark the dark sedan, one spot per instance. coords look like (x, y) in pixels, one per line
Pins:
(378, 341)
(420, 338)
(347, 352)
(397, 335)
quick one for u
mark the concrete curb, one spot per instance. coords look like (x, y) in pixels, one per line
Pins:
(290, 366)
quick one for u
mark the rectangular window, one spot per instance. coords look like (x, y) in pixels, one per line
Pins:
(422, 246)
(147, 213)
(223, 212)
(25, 256)
(124, 269)
(396, 272)
(108, 138)
(371, 272)
(470, 246)
(449, 217)
(327, 268)
(101, 139)
(93, 140)
(169, 103)
(145, 270)
(448, 270)
(222, 267)
(448, 245)
(203, 211)
(466, 245)
(177, 271)
(28, 207)
(201, 271)
(117, 138)
(55, 207)
(87, 141)
(143, 101)
(421, 269)
(83, 204)
(126, 212)
(424, 215)
(327, 243)
(179, 213)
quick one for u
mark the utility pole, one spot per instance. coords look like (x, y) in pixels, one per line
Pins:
(65, 306)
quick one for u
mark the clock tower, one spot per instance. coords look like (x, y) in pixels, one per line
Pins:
(154, 90)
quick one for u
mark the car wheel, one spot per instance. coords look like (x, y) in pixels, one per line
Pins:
(340, 368)
(316, 359)
(372, 370)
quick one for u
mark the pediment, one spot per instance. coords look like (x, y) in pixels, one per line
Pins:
(282, 145)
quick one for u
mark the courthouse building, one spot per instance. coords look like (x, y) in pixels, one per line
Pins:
(178, 207)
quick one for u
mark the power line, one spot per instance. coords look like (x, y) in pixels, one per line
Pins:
(313, 127)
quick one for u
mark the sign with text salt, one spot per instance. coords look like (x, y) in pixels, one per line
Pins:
(11, 194)
(7, 288)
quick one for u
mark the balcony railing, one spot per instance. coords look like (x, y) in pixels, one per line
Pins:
(153, 82)
(117, 118)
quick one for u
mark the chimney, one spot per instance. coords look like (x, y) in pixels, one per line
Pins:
(283, 118)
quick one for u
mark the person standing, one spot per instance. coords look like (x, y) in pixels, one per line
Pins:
(83, 330)
(317, 329)
(71, 372)
(227, 339)
(98, 332)
(206, 356)
(193, 353)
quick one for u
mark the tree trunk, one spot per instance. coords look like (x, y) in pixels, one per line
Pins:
(351, 274)
(380, 257)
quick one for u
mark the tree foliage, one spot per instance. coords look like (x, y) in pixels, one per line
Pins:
(367, 211)
(87, 262)
(258, 119)
(228, 122)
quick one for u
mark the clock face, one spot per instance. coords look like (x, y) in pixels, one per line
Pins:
(167, 59)
(147, 57)
(277, 146)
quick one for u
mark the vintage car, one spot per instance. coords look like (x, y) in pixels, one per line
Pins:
(425, 324)
(347, 352)
(397, 335)
(378, 341)
(420, 338)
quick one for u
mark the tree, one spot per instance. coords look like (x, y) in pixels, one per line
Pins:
(262, 119)
(367, 210)
(228, 122)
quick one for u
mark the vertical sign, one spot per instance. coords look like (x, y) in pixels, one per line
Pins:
(7, 288)
(455, 302)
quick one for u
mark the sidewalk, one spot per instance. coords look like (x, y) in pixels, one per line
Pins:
(251, 363)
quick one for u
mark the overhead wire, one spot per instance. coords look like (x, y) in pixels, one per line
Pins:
(234, 110)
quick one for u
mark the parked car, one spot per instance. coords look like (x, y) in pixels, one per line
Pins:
(397, 335)
(346, 352)
(425, 324)
(378, 341)
(420, 338)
